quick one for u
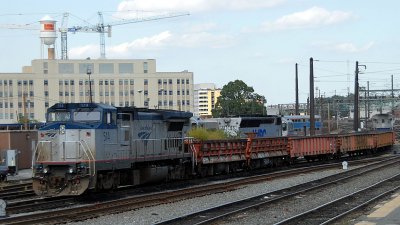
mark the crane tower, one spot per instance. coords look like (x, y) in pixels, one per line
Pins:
(102, 28)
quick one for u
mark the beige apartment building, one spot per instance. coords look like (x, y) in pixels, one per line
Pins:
(131, 82)
(205, 98)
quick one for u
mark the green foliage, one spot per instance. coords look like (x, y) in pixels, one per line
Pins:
(239, 99)
(207, 134)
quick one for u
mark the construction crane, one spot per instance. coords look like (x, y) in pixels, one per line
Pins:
(102, 28)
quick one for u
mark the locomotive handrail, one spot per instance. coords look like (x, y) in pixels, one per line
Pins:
(91, 158)
(86, 149)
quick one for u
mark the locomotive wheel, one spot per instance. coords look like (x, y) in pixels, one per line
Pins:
(105, 181)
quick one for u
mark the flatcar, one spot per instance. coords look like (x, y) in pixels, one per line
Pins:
(87, 146)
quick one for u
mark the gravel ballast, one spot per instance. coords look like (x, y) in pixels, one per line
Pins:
(151, 215)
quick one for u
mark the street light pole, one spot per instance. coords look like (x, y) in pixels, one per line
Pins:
(88, 72)
(140, 97)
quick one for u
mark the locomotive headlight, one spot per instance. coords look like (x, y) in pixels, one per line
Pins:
(46, 170)
(62, 129)
(70, 170)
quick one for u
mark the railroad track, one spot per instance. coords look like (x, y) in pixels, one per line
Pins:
(15, 191)
(77, 213)
(216, 214)
(338, 209)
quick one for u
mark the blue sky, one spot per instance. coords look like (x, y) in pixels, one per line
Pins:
(257, 41)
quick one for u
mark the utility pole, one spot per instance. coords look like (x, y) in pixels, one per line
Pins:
(368, 98)
(329, 119)
(312, 113)
(297, 93)
(366, 108)
(356, 122)
(392, 94)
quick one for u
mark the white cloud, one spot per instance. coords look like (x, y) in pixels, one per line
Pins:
(345, 47)
(203, 27)
(310, 18)
(159, 41)
(92, 51)
(195, 5)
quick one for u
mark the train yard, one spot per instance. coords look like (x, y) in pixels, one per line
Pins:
(80, 210)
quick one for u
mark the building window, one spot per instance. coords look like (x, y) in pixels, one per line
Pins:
(145, 67)
(178, 92)
(66, 68)
(146, 82)
(170, 81)
(46, 82)
(46, 104)
(105, 68)
(46, 93)
(178, 81)
(132, 82)
(125, 67)
(72, 82)
(146, 92)
(83, 67)
(159, 81)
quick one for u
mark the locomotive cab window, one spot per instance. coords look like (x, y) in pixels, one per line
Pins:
(175, 126)
(109, 118)
(87, 116)
(58, 116)
(284, 126)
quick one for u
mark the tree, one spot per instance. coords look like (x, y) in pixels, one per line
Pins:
(239, 99)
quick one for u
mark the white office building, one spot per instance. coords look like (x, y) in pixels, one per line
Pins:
(133, 82)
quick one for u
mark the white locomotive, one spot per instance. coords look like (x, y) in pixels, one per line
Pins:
(95, 146)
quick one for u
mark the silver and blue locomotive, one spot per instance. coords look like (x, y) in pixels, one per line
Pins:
(90, 146)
